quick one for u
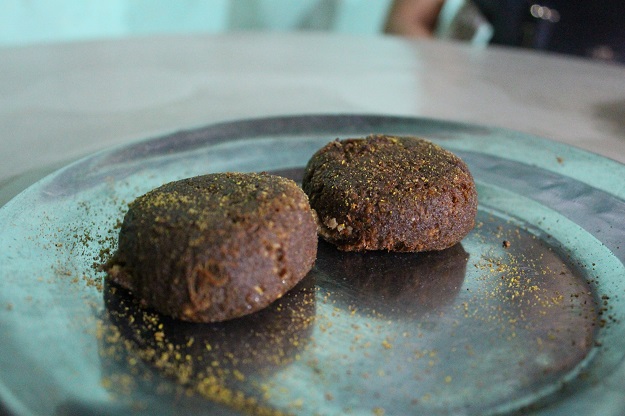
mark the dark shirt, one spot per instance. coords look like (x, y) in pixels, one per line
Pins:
(590, 28)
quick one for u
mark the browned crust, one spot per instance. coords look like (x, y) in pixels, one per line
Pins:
(216, 247)
(390, 193)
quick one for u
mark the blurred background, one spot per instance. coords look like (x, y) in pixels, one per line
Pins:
(593, 29)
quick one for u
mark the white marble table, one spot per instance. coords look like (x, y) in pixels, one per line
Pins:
(63, 101)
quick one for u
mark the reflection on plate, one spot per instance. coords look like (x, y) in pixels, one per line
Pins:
(525, 315)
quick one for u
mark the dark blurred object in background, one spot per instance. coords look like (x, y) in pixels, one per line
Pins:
(590, 28)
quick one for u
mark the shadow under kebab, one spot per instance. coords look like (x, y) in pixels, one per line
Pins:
(225, 362)
(402, 285)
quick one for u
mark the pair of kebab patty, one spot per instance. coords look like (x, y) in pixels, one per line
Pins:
(220, 246)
